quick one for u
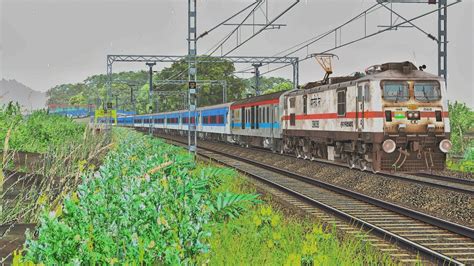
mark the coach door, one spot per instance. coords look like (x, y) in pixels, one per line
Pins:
(360, 106)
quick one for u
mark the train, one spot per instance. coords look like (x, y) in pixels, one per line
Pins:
(391, 117)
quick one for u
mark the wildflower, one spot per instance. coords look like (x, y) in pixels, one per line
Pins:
(162, 221)
(74, 197)
(42, 199)
(266, 211)
(275, 220)
(151, 244)
(90, 245)
(293, 260)
(59, 210)
(317, 230)
(270, 244)
(164, 183)
(112, 261)
(310, 248)
(81, 165)
(276, 236)
(257, 221)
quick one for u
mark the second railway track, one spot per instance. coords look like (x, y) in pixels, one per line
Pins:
(433, 238)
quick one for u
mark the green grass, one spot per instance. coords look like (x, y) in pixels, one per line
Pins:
(267, 236)
(141, 208)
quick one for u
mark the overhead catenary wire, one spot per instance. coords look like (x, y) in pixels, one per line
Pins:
(226, 20)
(224, 40)
(367, 36)
(418, 28)
(310, 41)
(264, 27)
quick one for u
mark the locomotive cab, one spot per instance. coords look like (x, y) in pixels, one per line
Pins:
(416, 122)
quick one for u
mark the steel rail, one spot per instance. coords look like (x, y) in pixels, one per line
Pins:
(456, 228)
(454, 180)
(445, 178)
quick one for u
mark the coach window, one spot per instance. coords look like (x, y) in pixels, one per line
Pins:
(341, 103)
(265, 117)
(275, 114)
(268, 114)
(257, 116)
(305, 104)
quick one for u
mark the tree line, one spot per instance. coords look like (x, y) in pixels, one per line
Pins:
(130, 90)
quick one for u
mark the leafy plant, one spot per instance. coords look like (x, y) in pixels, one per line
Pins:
(230, 205)
(148, 203)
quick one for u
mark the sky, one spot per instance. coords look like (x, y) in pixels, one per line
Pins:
(44, 43)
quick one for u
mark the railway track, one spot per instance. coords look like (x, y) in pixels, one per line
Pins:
(426, 179)
(450, 179)
(433, 238)
(444, 182)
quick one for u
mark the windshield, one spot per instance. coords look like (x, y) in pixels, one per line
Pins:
(396, 91)
(427, 91)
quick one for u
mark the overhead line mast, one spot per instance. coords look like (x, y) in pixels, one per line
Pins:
(192, 76)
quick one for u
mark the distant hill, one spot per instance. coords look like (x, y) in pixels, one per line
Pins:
(12, 90)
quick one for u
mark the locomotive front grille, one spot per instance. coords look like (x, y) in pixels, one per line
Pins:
(413, 163)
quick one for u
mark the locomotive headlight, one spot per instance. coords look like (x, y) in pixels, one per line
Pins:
(410, 115)
(416, 115)
(389, 146)
(445, 145)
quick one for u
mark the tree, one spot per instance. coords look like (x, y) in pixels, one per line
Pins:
(78, 99)
(279, 87)
(268, 84)
(461, 119)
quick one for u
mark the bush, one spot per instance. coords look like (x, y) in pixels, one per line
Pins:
(37, 132)
(148, 203)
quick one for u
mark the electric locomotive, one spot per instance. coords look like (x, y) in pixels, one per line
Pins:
(392, 118)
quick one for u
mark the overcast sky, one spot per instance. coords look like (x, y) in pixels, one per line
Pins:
(49, 42)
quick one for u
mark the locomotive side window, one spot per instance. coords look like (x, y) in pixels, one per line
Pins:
(359, 93)
(292, 102)
(427, 91)
(395, 91)
(367, 92)
(341, 103)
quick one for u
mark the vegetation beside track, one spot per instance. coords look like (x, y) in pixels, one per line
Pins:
(58, 150)
(461, 118)
(38, 132)
(264, 235)
(150, 203)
